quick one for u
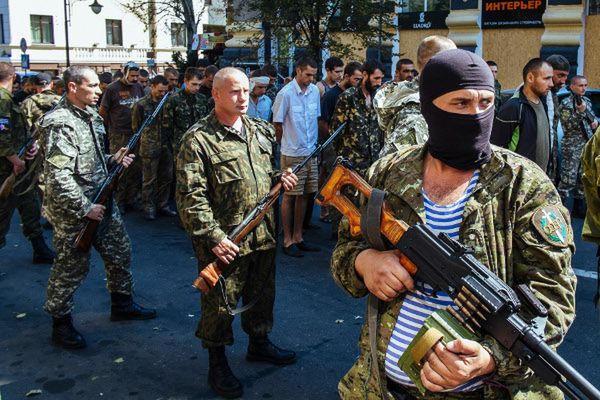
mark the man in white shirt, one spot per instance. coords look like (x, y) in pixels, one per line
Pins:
(259, 104)
(295, 113)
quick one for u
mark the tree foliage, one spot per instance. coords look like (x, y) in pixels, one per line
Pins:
(320, 24)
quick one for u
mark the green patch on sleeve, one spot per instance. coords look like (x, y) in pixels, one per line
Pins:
(552, 226)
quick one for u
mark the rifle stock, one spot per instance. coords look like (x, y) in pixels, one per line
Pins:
(8, 185)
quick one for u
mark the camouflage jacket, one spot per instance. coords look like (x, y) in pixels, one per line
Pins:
(75, 164)
(553, 168)
(180, 112)
(152, 138)
(220, 178)
(497, 94)
(36, 105)
(500, 224)
(576, 124)
(591, 187)
(398, 111)
(361, 140)
(13, 132)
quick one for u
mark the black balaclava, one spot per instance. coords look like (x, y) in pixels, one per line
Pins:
(461, 141)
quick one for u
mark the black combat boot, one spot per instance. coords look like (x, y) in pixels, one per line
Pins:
(64, 333)
(579, 208)
(41, 252)
(124, 308)
(261, 349)
(220, 376)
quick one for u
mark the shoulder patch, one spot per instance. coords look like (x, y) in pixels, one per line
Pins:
(551, 224)
(4, 124)
(58, 158)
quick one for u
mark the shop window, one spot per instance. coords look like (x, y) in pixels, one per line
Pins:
(178, 35)
(114, 32)
(424, 5)
(42, 29)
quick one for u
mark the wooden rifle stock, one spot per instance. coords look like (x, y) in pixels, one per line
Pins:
(8, 184)
(331, 194)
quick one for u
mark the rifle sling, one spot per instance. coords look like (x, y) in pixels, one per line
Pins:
(370, 221)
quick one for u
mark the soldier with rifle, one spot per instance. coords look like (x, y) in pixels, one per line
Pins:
(16, 149)
(75, 168)
(223, 170)
(501, 205)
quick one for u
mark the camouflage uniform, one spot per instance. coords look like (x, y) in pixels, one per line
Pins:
(577, 131)
(13, 135)
(75, 167)
(398, 111)
(361, 140)
(157, 157)
(220, 178)
(553, 164)
(182, 110)
(591, 185)
(497, 95)
(498, 223)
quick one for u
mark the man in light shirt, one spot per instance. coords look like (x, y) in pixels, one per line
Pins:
(295, 113)
(259, 104)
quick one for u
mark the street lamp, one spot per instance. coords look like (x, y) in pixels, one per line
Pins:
(96, 8)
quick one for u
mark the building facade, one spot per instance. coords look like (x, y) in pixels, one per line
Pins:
(104, 41)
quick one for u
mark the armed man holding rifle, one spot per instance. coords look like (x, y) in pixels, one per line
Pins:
(223, 170)
(75, 167)
(498, 203)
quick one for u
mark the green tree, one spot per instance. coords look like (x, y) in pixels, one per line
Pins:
(318, 24)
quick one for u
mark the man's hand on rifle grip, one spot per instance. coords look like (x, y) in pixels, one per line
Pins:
(31, 153)
(121, 157)
(383, 274)
(18, 164)
(288, 179)
(97, 212)
(226, 251)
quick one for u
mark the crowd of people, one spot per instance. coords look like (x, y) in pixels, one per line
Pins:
(437, 138)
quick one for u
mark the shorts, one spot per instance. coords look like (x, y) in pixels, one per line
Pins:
(308, 177)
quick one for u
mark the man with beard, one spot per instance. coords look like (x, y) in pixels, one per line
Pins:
(521, 124)
(362, 139)
(460, 185)
(115, 109)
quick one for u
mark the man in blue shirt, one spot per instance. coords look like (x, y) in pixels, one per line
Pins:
(259, 104)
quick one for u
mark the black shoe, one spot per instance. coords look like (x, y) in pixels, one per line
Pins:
(149, 215)
(292, 251)
(220, 377)
(41, 252)
(65, 335)
(307, 247)
(124, 309)
(167, 211)
(263, 350)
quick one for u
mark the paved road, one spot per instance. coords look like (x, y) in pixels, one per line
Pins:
(161, 359)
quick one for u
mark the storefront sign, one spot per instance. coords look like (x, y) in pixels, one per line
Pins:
(512, 13)
(422, 20)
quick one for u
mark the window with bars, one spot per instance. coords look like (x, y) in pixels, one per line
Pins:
(42, 29)
(114, 32)
(178, 35)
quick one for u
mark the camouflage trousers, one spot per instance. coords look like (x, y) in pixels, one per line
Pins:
(570, 168)
(129, 189)
(28, 206)
(157, 176)
(253, 277)
(71, 265)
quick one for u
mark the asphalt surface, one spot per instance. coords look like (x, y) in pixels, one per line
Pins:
(162, 359)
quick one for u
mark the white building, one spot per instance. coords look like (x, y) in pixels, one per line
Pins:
(104, 41)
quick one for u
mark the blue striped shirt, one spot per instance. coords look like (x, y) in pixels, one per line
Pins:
(418, 305)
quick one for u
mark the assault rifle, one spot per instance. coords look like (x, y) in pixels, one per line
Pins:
(104, 194)
(486, 303)
(212, 273)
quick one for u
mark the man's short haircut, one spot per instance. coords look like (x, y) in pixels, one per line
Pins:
(76, 74)
(172, 71)
(159, 80)
(211, 70)
(105, 77)
(7, 71)
(333, 62)
(225, 73)
(491, 63)
(430, 46)
(371, 65)
(270, 70)
(258, 73)
(306, 62)
(59, 83)
(144, 73)
(191, 73)
(559, 62)
(404, 61)
(118, 75)
(533, 66)
(576, 79)
(352, 67)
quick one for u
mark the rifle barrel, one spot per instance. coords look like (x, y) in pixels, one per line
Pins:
(318, 149)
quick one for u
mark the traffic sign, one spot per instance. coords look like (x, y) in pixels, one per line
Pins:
(23, 45)
(25, 61)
